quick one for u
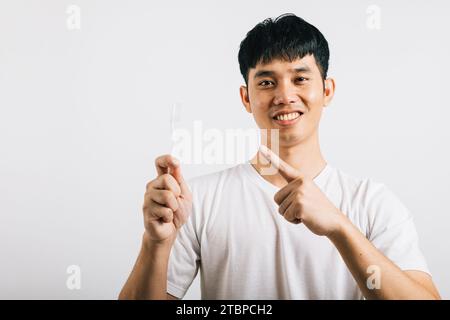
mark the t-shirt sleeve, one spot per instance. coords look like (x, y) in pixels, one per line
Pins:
(393, 232)
(184, 259)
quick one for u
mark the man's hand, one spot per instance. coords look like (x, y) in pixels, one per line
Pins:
(167, 201)
(301, 200)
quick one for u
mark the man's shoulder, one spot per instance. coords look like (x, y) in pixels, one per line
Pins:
(373, 197)
(355, 184)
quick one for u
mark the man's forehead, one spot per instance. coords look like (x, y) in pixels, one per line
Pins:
(307, 63)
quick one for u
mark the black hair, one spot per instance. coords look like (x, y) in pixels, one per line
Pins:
(287, 37)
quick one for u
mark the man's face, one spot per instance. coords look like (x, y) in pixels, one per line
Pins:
(288, 96)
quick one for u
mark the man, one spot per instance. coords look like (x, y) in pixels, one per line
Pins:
(310, 231)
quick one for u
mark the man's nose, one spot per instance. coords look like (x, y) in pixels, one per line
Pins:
(285, 94)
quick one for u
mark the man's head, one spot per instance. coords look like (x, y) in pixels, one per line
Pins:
(284, 63)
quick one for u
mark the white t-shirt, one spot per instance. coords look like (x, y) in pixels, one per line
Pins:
(246, 250)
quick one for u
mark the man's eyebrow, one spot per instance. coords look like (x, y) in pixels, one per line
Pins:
(269, 73)
(263, 73)
(302, 69)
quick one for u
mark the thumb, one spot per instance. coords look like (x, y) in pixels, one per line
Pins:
(287, 171)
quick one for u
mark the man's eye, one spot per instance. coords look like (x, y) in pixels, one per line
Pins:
(301, 79)
(265, 83)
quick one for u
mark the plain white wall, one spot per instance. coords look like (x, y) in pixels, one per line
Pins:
(84, 112)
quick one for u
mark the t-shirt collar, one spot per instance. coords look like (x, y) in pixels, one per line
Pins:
(255, 176)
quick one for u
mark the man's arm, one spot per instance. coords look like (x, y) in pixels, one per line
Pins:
(301, 201)
(167, 206)
(148, 279)
(359, 254)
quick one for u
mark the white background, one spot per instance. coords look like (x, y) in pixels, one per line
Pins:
(83, 114)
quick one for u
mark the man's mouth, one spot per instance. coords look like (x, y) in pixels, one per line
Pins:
(287, 119)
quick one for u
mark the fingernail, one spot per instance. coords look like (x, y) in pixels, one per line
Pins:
(264, 150)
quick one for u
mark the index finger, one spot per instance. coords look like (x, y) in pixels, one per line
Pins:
(286, 170)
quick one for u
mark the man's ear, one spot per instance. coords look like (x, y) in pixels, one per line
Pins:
(243, 91)
(328, 93)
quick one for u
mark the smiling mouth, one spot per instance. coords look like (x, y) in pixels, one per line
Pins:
(287, 118)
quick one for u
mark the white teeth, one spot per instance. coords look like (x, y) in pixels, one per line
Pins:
(289, 116)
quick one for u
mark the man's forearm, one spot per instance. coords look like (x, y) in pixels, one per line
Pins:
(148, 280)
(359, 254)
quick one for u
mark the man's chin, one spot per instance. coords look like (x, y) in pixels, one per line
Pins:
(285, 140)
(290, 140)
(285, 137)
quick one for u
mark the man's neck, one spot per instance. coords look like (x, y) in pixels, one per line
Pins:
(306, 157)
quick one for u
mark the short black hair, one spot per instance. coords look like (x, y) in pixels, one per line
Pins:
(287, 37)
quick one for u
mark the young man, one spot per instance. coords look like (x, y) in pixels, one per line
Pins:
(310, 231)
